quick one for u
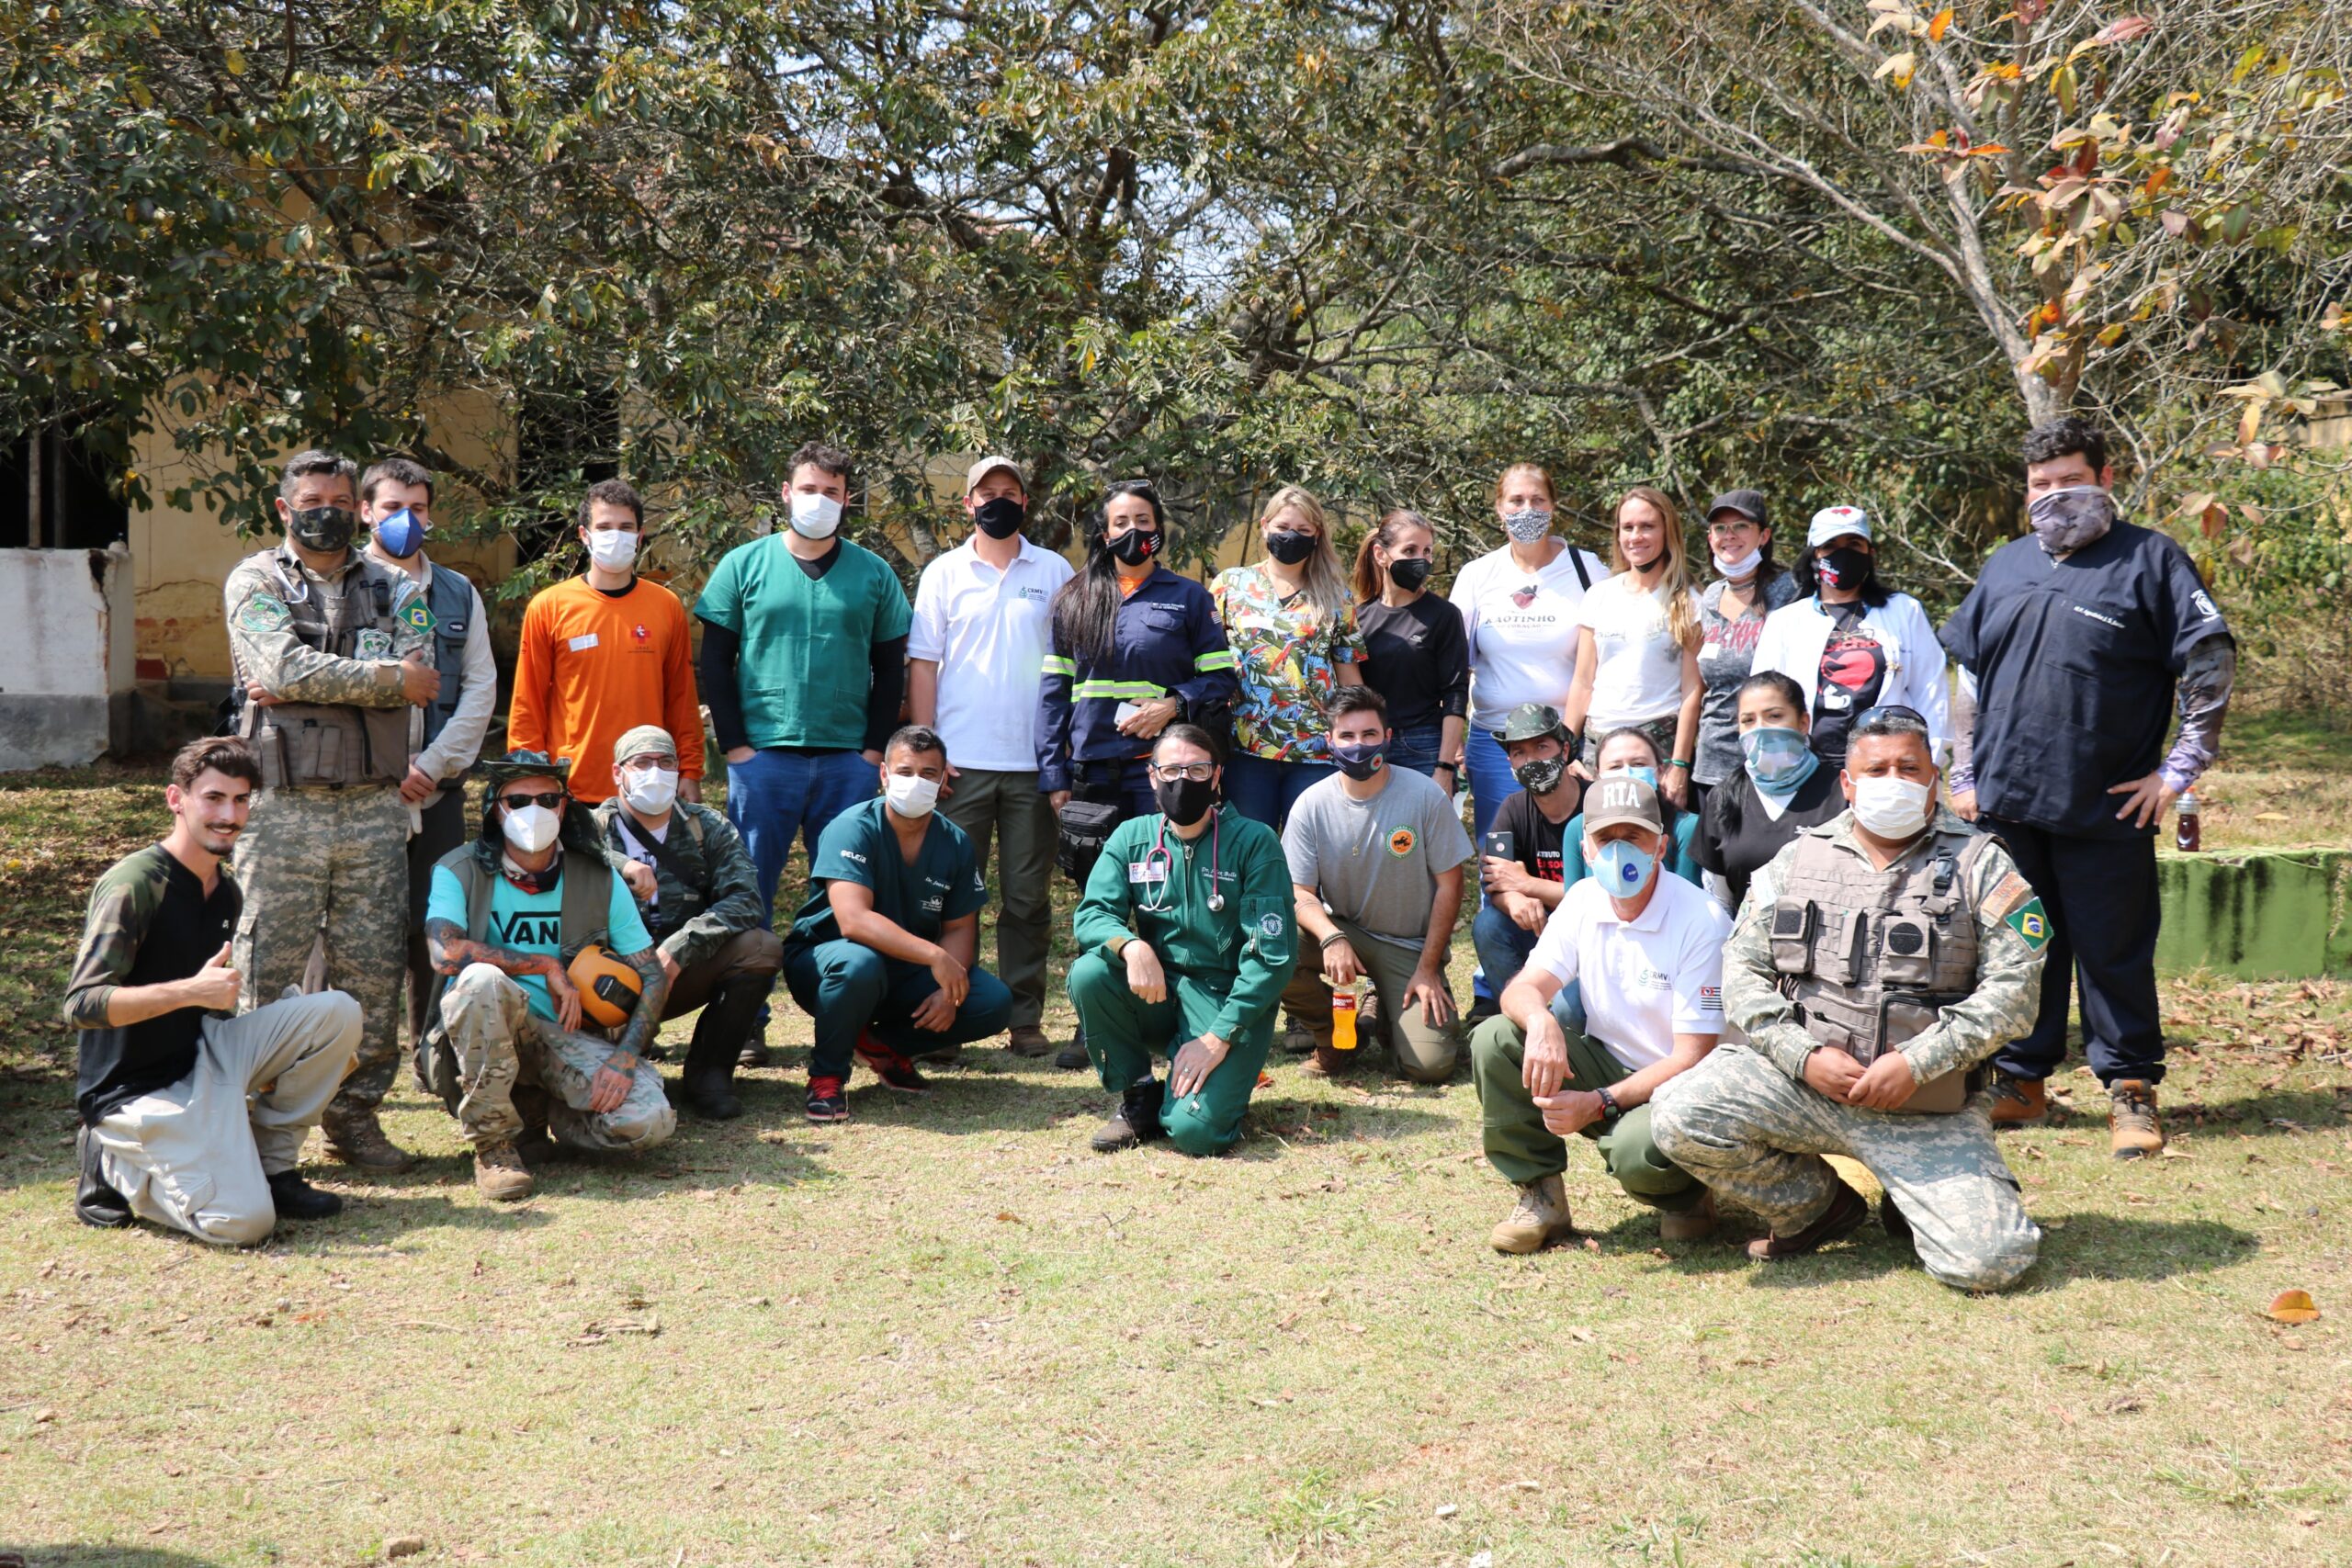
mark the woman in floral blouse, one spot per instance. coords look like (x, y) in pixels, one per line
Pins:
(1294, 641)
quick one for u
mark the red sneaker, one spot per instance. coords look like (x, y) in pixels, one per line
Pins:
(826, 1101)
(895, 1070)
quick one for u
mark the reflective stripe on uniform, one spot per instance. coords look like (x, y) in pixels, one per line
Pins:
(1216, 659)
(1058, 665)
(1130, 691)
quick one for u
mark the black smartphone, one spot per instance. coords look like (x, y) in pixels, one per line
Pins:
(1502, 846)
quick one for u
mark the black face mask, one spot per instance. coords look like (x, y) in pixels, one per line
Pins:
(324, 528)
(1360, 762)
(1410, 573)
(1289, 546)
(1843, 568)
(1137, 546)
(1183, 801)
(1001, 518)
(1541, 776)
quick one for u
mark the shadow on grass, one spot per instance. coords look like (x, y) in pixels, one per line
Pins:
(2255, 1115)
(1273, 1117)
(12, 1556)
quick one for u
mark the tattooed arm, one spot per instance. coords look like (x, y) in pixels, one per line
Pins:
(611, 1085)
(452, 952)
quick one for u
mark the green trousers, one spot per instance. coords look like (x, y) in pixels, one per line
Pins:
(1124, 1032)
(1524, 1150)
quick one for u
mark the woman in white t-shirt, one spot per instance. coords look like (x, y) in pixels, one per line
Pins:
(1518, 610)
(1637, 644)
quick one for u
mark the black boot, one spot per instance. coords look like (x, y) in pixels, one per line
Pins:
(1072, 1057)
(1135, 1122)
(297, 1200)
(707, 1084)
(94, 1202)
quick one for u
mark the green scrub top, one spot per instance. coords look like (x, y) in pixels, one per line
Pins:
(807, 642)
(859, 846)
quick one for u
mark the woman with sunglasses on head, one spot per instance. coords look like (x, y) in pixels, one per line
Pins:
(1416, 655)
(1295, 642)
(1134, 647)
(1782, 789)
(1850, 642)
(1519, 610)
(1637, 644)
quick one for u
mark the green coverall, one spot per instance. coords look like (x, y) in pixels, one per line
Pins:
(1225, 968)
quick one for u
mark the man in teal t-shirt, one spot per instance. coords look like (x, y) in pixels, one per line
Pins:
(881, 955)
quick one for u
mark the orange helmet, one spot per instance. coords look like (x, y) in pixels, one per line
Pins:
(608, 987)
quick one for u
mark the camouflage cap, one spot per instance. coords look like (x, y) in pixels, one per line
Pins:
(514, 765)
(1530, 721)
(644, 740)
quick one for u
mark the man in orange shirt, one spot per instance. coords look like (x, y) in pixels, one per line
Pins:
(603, 653)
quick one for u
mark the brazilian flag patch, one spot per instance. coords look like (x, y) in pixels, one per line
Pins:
(419, 615)
(2029, 921)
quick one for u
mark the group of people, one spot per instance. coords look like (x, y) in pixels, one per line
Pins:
(1723, 925)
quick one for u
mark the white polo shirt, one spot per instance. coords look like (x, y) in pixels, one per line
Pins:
(1645, 982)
(988, 631)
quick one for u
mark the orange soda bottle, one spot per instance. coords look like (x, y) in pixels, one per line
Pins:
(1343, 1020)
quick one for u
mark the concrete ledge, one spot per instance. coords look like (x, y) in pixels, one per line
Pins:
(2258, 915)
(44, 731)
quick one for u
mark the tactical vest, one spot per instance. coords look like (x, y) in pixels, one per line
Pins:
(1871, 957)
(308, 745)
(450, 596)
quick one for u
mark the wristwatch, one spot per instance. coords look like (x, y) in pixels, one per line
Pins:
(1609, 1108)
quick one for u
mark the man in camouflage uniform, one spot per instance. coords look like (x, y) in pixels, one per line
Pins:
(1878, 961)
(704, 914)
(330, 654)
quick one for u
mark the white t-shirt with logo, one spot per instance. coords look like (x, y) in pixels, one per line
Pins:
(987, 630)
(1645, 982)
(1522, 630)
(1637, 673)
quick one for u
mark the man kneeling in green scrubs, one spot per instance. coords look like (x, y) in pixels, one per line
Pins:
(1647, 950)
(1186, 939)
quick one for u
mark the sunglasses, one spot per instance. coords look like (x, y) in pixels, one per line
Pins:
(551, 799)
(1889, 710)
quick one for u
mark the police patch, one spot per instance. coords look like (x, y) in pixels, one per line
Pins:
(1401, 841)
(419, 614)
(263, 613)
(2033, 924)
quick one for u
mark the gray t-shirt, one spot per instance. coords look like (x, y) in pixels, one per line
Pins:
(1726, 657)
(1376, 862)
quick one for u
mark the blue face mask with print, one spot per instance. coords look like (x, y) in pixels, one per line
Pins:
(1623, 867)
(1641, 770)
(1779, 760)
(402, 535)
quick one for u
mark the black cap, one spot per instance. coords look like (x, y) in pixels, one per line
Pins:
(1749, 503)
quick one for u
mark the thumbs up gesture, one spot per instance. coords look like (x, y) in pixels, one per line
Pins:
(214, 986)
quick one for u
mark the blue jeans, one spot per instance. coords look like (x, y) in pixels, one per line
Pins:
(1415, 748)
(1264, 790)
(1503, 944)
(1490, 780)
(780, 796)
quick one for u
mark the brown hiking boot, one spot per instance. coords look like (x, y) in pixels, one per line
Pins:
(1846, 1212)
(2133, 1132)
(359, 1140)
(1541, 1218)
(1328, 1062)
(2019, 1102)
(499, 1174)
(1028, 1040)
(1694, 1224)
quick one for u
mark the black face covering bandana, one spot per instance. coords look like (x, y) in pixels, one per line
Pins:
(1541, 776)
(1001, 518)
(324, 528)
(1137, 546)
(1289, 546)
(1410, 573)
(1844, 568)
(1183, 801)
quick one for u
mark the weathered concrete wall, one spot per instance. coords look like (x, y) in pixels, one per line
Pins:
(65, 622)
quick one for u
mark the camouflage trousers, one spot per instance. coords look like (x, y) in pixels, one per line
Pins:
(1755, 1136)
(509, 1061)
(331, 864)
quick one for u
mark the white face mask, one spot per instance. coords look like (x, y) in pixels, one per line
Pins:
(1890, 806)
(911, 794)
(651, 790)
(530, 829)
(1740, 566)
(815, 516)
(615, 549)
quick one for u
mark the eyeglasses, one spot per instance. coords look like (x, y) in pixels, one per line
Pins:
(1734, 525)
(551, 799)
(1199, 772)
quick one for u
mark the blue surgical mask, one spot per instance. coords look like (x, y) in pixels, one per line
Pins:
(1624, 868)
(1641, 770)
(402, 535)
(1778, 760)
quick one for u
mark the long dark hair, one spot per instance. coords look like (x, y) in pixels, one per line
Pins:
(1392, 528)
(1665, 810)
(1086, 611)
(1805, 569)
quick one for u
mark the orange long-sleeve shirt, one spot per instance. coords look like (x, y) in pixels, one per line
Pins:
(592, 667)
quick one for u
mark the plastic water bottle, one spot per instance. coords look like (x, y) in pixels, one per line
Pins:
(1343, 1020)
(2187, 828)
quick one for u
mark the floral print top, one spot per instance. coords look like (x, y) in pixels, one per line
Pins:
(1288, 655)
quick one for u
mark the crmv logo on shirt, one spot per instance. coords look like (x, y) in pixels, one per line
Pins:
(1651, 979)
(1034, 595)
(530, 928)
(2104, 620)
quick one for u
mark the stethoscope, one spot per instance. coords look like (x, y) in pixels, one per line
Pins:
(1159, 851)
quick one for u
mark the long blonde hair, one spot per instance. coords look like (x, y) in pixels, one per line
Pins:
(1682, 619)
(1324, 584)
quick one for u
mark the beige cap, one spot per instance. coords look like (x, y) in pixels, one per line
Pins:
(986, 466)
(1621, 797)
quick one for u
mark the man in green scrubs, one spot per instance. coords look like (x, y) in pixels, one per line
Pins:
(1186, 938)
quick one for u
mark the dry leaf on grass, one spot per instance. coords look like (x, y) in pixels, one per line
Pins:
(2293, 1306)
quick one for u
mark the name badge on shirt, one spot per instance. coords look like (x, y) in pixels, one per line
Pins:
(1146, 870)
(374, 643)
(583, 644)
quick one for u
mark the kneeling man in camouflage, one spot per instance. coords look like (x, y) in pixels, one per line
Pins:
(509, 919)
(1878, 962)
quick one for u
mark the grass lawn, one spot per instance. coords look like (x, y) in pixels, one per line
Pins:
(947, 1334)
